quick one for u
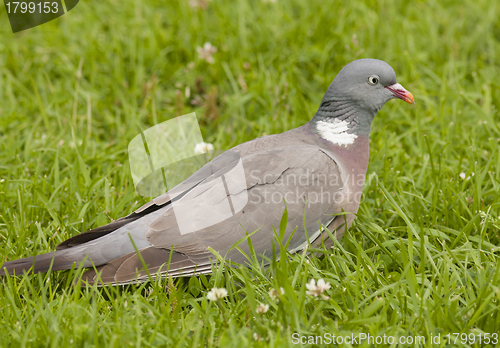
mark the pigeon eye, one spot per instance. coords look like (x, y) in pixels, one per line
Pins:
(373, 80)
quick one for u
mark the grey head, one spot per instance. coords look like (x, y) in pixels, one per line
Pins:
(357, 93)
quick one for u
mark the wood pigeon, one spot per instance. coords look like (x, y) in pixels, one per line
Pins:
(317, 170)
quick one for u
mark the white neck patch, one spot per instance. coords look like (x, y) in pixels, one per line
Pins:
(336, 132)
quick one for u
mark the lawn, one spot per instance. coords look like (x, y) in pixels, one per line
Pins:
(421, 259)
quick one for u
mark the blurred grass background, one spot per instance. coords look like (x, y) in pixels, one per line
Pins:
(422, 257)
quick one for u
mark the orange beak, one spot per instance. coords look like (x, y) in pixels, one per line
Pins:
(400, 92)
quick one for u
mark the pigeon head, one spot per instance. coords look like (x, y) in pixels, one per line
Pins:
(357, 93)
(368, 82)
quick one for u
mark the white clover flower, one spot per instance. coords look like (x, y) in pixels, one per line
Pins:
(203, 148)
(317, 289)
(262, 308)
(462, 176)
(199, 4)
(206, 52)
(273, 293)
(216, 294)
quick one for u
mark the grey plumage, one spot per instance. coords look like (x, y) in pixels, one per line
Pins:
(330, 154)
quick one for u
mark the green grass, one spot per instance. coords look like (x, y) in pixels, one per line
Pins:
(423, 255)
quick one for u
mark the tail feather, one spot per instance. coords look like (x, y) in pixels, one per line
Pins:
(37, 264)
